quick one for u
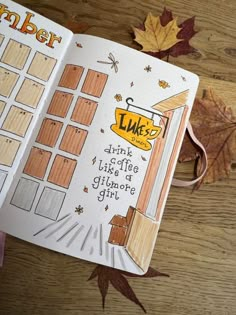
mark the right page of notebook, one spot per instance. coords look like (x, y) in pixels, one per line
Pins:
(100, 166)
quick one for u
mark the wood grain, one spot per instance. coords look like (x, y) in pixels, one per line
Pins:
(197, 239)
(16, 54)
(37, 162)
(30, 93)
(42, 66)
(62, 171)
(60, 104)
(8, 81)
(71, 76)
(2, 107)
(17, 121)
(49, 132)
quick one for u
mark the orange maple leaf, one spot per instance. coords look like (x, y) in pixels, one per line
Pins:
(155, 37)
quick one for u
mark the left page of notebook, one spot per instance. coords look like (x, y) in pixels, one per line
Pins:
(31, 51)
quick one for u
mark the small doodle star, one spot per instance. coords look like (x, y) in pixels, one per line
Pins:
(148, 68)
(79, 209)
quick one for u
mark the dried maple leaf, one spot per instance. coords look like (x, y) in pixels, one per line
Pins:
(185, 34)
(76, 27)
(214, 125)
(106, 275)
(155, 37)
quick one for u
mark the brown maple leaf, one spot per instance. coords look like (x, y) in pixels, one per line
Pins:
(76, 27)
(185, 34)
(106, 275)
(214, 125)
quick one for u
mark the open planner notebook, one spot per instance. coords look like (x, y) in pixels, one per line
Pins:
(90, 132)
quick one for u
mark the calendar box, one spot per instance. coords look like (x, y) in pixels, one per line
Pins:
(50, 203)
(73, 140)
(24, 194)
(49, 132)
(17, 121)
(42, 66)
(8, 80)
(60, 104)
(30, 93)
(62, 171)
(8, 148)
(16, 54)
(94, 83)
(84, 111)
(37, 163)
(2, 107)
(1, 39)
(71, 76)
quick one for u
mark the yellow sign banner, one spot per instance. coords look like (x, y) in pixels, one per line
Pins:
(135, 128)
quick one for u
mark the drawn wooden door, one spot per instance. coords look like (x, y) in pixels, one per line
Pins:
(60, 104)
(71, 77)
(16, 54)
(84, 111)
(8, 149)
(37, 162)
(42, 66)
(94, 83)
(62, 171)
(30, 93)
(17, 121)
(8, 80)
(2, 107)
(49, 132)
(73, 140)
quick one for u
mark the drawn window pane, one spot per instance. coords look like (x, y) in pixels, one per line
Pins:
(8, 81)
(49, 132)
(71, 76)
(50, 203)
(42, 66)
(30, 93)
(2, 106)
(94, 83)
(3, 176)
(62, 171)
(60, 104)
(17, 121)
(37, 163)
(73, 140)
(24, 194)
(8, 149)
(84, 111)
(1, 39)
(16, 54)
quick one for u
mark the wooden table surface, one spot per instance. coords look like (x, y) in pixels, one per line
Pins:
(197, 240)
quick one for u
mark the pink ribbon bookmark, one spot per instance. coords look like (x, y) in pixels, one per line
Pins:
(182, 183)
(2, 245)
